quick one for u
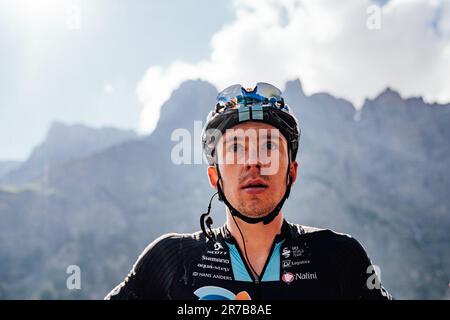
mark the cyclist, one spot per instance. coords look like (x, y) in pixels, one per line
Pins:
(251, 140)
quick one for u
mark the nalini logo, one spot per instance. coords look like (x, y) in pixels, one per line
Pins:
(286, 253)
(218, 293)
(217, 246)
(288, 277)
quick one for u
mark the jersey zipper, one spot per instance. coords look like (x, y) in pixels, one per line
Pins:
(257, 279)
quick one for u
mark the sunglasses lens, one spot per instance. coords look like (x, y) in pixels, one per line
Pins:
(229, 93)
(230, 97)
(267, 90)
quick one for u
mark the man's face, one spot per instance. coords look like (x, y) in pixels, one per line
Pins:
(253, 163)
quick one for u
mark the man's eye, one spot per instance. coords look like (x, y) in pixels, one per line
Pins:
(271, 146)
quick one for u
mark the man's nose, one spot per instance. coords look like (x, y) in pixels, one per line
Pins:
(256, 157)
(252, 171)
(252, 157)
(261, 163)
(254, 165)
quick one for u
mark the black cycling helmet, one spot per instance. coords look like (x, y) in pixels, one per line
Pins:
(236, 105)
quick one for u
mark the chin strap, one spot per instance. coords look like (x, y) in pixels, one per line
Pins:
(266, 219)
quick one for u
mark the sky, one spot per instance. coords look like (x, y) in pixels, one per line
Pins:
(114, 63)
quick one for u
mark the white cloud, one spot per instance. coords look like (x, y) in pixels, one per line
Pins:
(326, 44)
(108, 88)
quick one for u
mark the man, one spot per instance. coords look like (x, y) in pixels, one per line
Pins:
(251, 140)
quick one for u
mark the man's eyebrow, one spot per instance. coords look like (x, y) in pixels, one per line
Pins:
(269, 136)
(239, 137)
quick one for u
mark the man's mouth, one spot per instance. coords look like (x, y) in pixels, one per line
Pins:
(254, 186)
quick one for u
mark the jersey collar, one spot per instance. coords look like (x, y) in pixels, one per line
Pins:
(224, 233)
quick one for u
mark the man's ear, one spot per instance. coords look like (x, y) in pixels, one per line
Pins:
(213, 176)
(293, 171)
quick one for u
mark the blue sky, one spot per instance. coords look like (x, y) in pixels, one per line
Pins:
(89, 75)
(114, 63)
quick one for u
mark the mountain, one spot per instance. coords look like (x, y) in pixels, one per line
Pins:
(64, 143)
(7, 166)
(380, 174)
(104, 208)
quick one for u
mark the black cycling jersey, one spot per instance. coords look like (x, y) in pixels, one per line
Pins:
(304, 263)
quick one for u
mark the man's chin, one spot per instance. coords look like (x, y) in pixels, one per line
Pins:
(255, 213)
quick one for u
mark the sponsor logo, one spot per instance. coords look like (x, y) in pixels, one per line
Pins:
(289, 277)
(213, 259)
(215, 253)
(218, 246)
(202, 274)
(286, 253)
(294, 253)
(214, 267)
(218, 293)
(302, 251)
(222, 277)
(212, 276)
(290, 263)
(297, 252)
(287, 263)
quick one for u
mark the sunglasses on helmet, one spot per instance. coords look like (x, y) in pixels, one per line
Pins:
(235, 96)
